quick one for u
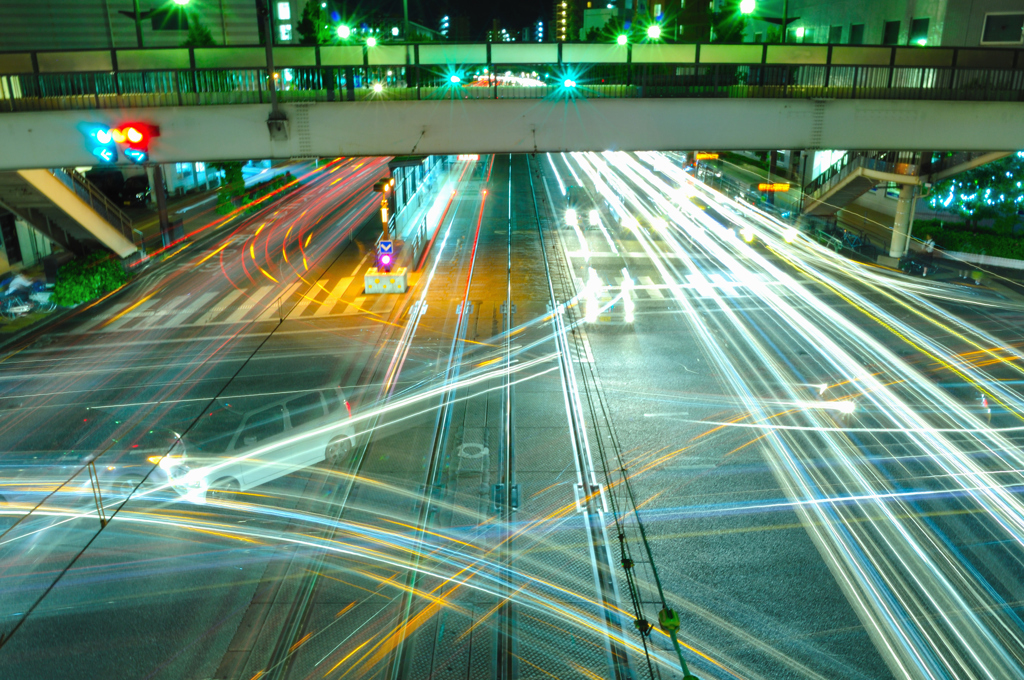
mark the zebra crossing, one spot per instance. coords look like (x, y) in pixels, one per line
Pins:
(711, 285)
(327, 299)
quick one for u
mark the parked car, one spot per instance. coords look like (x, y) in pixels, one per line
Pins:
(245, 443)
(135, 192)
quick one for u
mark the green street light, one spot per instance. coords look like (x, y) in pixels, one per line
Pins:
(654, 31)
(746, 6)
(622, 39)
(181, 3)
(371, 42)
(344, 32)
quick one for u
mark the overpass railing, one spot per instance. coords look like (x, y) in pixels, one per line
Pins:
(194, 76)
(95, 199)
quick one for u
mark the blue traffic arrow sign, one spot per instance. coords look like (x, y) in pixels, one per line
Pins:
(386, 247)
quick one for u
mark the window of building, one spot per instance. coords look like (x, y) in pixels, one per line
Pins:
(891, 33)
(835, 35)
(284, 32)
(758, 37)
(284, 11)
(919, 32)
(1003, 29)
(657, 12)
(856, 34)
(808, 36)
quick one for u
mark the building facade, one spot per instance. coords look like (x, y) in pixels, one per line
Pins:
(97, 24)
(949, 23)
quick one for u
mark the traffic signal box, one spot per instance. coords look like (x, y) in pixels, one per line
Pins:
(132, 139)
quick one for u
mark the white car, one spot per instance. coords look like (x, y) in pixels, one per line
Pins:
(244, 448)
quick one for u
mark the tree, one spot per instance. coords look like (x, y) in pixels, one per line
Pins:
(992, 191)
(198, 34)
(313, 26)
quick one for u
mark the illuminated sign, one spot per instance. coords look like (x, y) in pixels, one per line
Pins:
(469, 157)
(774, 187)
(707, 156)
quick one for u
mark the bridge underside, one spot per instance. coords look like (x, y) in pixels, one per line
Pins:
(197, 133)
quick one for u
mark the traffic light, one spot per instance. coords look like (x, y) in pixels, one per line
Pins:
(133, 138)
(101, 143)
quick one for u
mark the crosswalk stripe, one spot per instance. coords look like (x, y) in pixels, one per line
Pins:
(249, 304)
(92, 323)
(354, 307)
(332, 299)
(383, 304)
(130, 316)
(653, 292)
(307, 299)
(217, 309)
(197, 305)
(274, 308)
(156, 317)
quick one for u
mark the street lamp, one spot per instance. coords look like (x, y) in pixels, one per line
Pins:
(344, 32)
(371, 42)
(654, 31)
(746, 6)
(622, 39)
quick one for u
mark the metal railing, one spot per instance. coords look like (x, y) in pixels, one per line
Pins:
(97, 79)
(895, 162)
(88, 192)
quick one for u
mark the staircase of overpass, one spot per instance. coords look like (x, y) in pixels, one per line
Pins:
(68, 209)
(857, 172)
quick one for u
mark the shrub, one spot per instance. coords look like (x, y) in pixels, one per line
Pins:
(964, 239)
(88, 278)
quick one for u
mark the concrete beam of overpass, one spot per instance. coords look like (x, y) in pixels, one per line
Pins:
(197, 133)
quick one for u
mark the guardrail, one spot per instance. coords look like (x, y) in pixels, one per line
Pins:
(85, 190)
(93, 79)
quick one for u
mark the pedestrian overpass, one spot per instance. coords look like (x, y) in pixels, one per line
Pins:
(395, 99)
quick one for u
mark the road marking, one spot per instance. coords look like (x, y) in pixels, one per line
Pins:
(249, 304)
(154, 317)
(130, 316)
(307, 299)
(274, 308)
(92, 323)
(355, 307)
(333, 298)
(197, 305)
(218, 308)
(651, 287)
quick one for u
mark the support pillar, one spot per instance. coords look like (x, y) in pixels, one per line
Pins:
(161, 204)
(901, 224)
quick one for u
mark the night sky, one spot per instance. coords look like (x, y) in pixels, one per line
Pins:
(513, 14)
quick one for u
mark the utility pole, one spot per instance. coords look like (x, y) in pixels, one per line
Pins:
(277, 122)
(785, 19)
(405, 21)
(138, 22)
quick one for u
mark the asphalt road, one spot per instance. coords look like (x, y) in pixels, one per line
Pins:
(822, 455)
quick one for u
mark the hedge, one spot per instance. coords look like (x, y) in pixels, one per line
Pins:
(967, 240)
(88, 278)
(228, 199)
